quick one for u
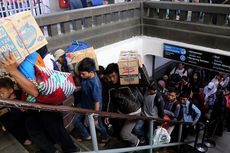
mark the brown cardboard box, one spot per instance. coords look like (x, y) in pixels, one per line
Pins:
(128, 70)
(20, 34)
(128, 63)
(74, 58)
(126, 80)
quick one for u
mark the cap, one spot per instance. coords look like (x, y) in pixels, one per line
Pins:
(58, 53)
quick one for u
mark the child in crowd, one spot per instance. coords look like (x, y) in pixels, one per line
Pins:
(91, 98)
(153, 106)
(13, 119)
(172, 111)
(190, 113)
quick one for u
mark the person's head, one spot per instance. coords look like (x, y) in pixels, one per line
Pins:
(152, 88)
(59, 56)
(161, 84)
(86, 68)
(172, 94)
(184, 96)
(101, 71)
(175, 79)
(43, 51)
(165, 78)
(211, 86)
(180, 66)
(112, 71)
(196, 76)
(6, 87)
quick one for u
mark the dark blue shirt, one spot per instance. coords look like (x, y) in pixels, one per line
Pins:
(91, 93)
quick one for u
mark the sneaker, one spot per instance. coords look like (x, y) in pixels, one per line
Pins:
(138, 142)
(103, 142)
(89, 138)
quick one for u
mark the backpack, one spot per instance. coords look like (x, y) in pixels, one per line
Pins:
(190, 110)
(76, 46)
(73, 47)
(97, 2)
(158, 99)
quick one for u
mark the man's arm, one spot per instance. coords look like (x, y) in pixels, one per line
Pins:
(177, 111)
(160, 107)
(198, 113)
(97, 106)
(10, 65)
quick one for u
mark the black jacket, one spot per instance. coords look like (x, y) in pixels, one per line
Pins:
(125, 100)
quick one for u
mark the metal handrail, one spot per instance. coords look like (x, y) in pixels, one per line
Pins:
(90, 114)
(61, 108)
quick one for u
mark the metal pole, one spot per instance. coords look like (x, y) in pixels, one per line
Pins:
(151, 135)
(93, 132)
(198, 128)
(39, 7)
(180, 132)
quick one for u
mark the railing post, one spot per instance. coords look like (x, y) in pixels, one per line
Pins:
(93, 132)
(31, 7)
(180, 132)
(151, 124)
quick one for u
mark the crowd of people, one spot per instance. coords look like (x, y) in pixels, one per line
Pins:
(186, 93)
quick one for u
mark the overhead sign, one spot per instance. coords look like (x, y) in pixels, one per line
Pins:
(196, 57)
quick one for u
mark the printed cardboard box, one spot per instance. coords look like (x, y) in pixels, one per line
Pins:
(20, 34)
(75, 57)
(128, 70)
(126, 80)
(128, 63)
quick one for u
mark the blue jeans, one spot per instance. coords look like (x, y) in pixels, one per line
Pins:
(75, 4)
(139, 128)
(79, 124)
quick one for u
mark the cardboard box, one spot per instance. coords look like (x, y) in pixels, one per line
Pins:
(20, 34)
(128, 63)
(75, 57)
(128, 70)
(126, 80)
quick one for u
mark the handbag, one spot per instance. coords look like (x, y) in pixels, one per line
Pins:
(53, 86)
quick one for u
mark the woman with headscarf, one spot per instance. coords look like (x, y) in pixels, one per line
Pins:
(209, 98)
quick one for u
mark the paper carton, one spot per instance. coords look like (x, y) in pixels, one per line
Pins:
(128, 70)
(20, 34)
(126, 80)
(128, 63)
(75, 57)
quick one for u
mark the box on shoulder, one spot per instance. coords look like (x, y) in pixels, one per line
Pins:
(20, 34)
(127, 80)
(128, 70)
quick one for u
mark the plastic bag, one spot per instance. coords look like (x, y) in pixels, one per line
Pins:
(161, 136)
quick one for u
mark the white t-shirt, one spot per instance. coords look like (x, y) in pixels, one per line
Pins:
(181, 72)
(48, 61)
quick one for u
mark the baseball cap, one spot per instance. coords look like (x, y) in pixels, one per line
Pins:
(58, 53)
